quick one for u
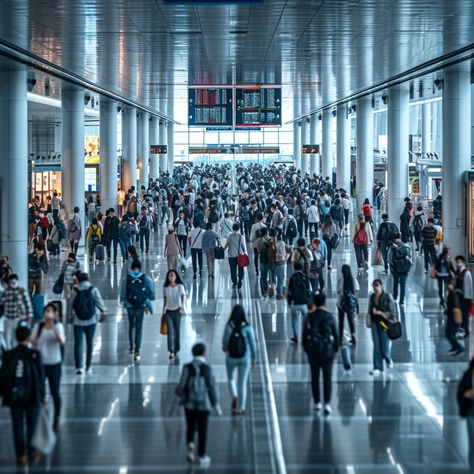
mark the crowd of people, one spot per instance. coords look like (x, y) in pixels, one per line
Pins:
(271, 220)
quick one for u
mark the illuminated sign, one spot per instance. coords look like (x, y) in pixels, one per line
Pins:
(260, 149)
(158, 149)
(310, 149)
(257, 106)
(209, 107)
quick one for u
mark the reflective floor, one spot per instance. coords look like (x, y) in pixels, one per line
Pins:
(123, 418)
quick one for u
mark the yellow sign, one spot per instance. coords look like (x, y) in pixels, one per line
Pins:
(91, 149)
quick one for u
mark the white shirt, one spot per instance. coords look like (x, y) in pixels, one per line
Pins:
(48, 344)
(346, 203)
(313, 214)
(174, 297)
(195, 237)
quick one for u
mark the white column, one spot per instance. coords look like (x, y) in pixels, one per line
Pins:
(297, 144)
(143, 146)
(163, 141)
(170, 138)
(314, 164)
(343, 131)
(305, 133)
(73, 149)
(365, 150)
(154, 139)
(327, 145)
(108, 154)
(397, 149)
(129, 148)
(14, 167)
(426, 127)
(456, 153)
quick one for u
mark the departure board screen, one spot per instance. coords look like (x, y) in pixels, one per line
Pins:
(258, 107)
(209, 107)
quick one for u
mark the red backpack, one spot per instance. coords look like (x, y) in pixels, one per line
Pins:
(361, 236)
(44, 222)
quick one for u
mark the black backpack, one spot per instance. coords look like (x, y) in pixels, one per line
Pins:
(319, 343)
(418, 223)
(95, 239)
(136, 290)
(22, 373)
(84, 304)
(389, 230)
(401, 260)
(237, 345)
(292, 230)
(300, 289)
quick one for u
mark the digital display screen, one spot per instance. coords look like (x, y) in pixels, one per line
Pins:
(258, 107)
(310, 149)
(158, 149)
(209, 107)
(266, 150)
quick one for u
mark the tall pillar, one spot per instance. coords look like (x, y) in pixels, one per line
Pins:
(456, 153)
(163, 141)
(343, 131)
(314, 165)
(14, 167)
(154, 139)
(297, 144)
(72, 180)
(305, 131)
(108, 154)
(365, 150)
(426, 127)
(143, 147)
(129, 148)
(170, 137)
(327, 145)
(397, 149)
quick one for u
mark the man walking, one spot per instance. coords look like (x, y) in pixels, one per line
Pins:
(297, 296)
(400, 261)
(111, 234)
(236, 246)
(428, 242)
(385, 235)
(144, 225)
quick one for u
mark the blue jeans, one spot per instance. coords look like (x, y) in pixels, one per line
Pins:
(280, 273)
(123, 247)
(399, 279)
(135, 327)
(173, 322)
(79, 333)
(296, 311)
(451, 330)
(381, 346)
(238, 390)
(264, 269)
(384, 250)
(21, 415)
(145, 240)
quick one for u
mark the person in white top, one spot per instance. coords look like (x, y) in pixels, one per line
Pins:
(313, 219)
(195, 244)
(49, 338)
(254, 236)
(174, 300)
(346, 204)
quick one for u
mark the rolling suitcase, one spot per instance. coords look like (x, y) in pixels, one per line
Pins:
(346, 357)
(37, 301)
(100, 253)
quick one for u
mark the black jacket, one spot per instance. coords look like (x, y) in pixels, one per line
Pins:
(464, 385)
(36, 265)
(323, 323)
(298, 289)
(111, 228)
(31, 357)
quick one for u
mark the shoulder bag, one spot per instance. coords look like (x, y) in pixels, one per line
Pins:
(242, 258)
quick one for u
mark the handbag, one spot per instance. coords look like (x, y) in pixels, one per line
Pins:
(44, 437)
(377, 258)
(457, 315)
(58, 285)
(243, 259)
(471, 309)
(163, 326)
(219, 253)
(394, 331)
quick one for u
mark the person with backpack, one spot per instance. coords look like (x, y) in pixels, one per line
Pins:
(443, 270)
(111, 234)
(37, 265)
(419, 221)
(347, 304)
(145, 224)
(181, 226)
(74, 230)
(126, 233)
(385, 234)
(195, 244)
(210, 240)
(262, 246)
(463, 278)
(239, 344)
(298, 293)
(281, 252)
(400, 261)
(93, 237)
(318, 261)
(453, 313)
(198, 393)
(320, 343)
(337, 215)
(57, 236)
(244, 218)
(84, 302)
(362, 238)
(428, 241)
(235, 245)
(290, 230)
(174, 301)
(49, 338)
(330, 236)
(23, 390)
(367, 211)
(302, 255)
(381, 311)
(136, 293)
(44, 225)
(255, 232)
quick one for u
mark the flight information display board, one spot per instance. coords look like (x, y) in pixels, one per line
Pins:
(257, 106)
(209, 107)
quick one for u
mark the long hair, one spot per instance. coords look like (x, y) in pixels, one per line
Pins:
(347, 279)
(178, 278)
(237, 316)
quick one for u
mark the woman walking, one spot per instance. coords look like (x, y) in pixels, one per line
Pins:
(453, 314)
(347, 304)
(172, 250)
(174, 300)
(361, 238)
(238, 342)
(443, 271)
(328, 230)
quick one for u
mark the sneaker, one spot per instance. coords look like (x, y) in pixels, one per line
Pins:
(317, 407)
(233, 404)
(88, 370)
(294, 340)
(78, 371)
(375, 373)
(390, 364)
(239, 285)
(131, 350)
(327, 409)
(280, 297)
(171, 356)
(136, 356)
(458, 352)
(204, 461)
(190, 453)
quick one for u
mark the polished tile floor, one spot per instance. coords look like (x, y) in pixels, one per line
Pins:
(123, 418)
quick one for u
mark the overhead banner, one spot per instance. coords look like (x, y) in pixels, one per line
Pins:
(158, 149)
(231, 149)
(266, 150)
(199, 150)
(310, 149)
